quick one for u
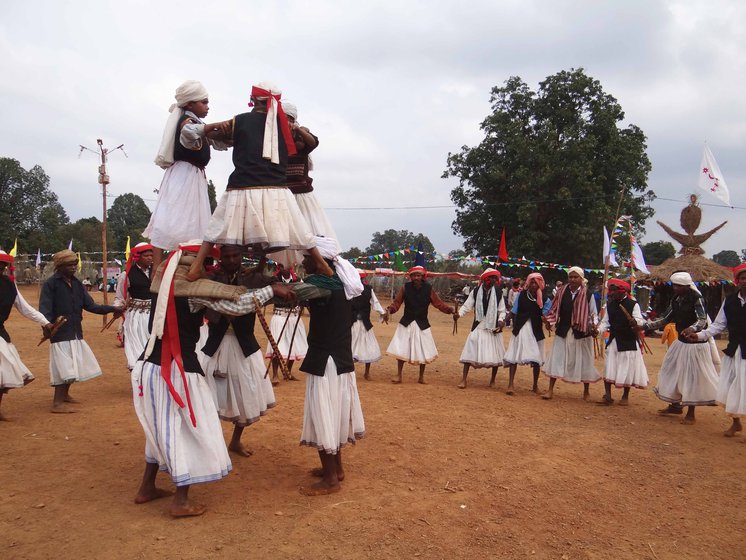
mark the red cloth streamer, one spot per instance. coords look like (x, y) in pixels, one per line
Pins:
(503, 252)
(284, 125)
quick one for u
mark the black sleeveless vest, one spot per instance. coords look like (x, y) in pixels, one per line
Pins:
(735, 314)
(189, 324)
(199, 158)
(8, 294)
(619, 327)
(138, 283)
(251, 169)
(685, 314)
(528, 311)
(485, 304)
(361, 308)
(329, 335)
(416, 305)
(565, 315)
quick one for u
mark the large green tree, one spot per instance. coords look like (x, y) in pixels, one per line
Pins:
(727, 258)
(657, 252)
(128, 216)
(391, 240)
(550, 170)
(30, 211)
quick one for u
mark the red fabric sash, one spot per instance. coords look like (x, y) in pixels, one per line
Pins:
(284, 126)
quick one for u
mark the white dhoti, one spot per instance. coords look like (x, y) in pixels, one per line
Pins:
(365, 348)
(412, 344)
(136, 330)
(182, 211)
(332, 414)
(571, 360)
(291, 348)
(318, 223)
(13, 372)
(688, 375)
(524, 348)
(483, 348)
(732, 386)
(268, 216)
(242, 393)
(189, 454)
(625, 369)
(71, 361)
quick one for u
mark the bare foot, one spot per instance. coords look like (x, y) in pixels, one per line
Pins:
(421, 381)
(187, 510)
(292, 378)
(586, 396)
(536, 391)
(240, 449)
(4, 418)
(63, 408)
(396, 381)
(606, 402)
(510, 392)
(69, 399)
(155, 494)
(623, 402)
(319, 489)
(547, 397)
(732, 431)
(367, 376)
(28, 380)
(492, 384)
(670, 410)
(462, 385)
(319, 473)
(275, 382)
(687, 421)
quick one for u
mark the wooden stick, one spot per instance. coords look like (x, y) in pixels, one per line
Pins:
(110, 323)
(270, 338)
(295, 330)
(276, 354)
(56, 326)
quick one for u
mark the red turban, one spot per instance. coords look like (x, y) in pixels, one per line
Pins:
(621, 284)
(737, 270)
(420, 269)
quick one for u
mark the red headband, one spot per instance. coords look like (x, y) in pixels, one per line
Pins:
(5, 257)
(489, 273)
(420, 269)
(737, 270)
(259, 93)
(619, 284)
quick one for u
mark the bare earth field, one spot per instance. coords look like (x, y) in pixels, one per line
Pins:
(442, 472)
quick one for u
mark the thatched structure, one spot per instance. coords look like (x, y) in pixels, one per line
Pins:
(701, 269)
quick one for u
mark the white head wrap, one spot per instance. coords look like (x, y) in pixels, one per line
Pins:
(684, 279)
(347, 273)
(577, 270)
(191, 90)
(290, 110)
(270, 150)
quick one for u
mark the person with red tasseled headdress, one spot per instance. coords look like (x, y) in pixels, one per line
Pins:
(133, 289)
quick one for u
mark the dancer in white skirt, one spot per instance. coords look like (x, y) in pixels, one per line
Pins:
(413, 340)
(172, 400)
(332, 415)
(288, 330)
(732, 385)
(232, 358)
(257, 208)
(526, 346)
(484, 346)
(70, 357)
(687, 376)
(365, 348)
(624, 366)
(13, 372)
(573, 312)
(183, 207)
(133, 291)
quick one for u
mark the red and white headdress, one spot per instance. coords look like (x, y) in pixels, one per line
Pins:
(420, 269)
(272, 94)
(489, 272)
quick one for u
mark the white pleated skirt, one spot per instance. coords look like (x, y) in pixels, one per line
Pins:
(13, 372)
(332, 414)
(625, 369)
(135, 334)
(182, 212)
(732, 386)
(299, 348)
(317, 221)
(189, 454)
(365, 348)
(524, 348)
(571, 360)
(242, 393)
(413, 345)
(688, 375)
(268, 216)
(483, 348)
(71, 361)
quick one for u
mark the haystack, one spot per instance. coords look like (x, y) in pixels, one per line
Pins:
(701, 269)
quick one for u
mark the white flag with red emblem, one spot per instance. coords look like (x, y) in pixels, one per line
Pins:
(711, 179)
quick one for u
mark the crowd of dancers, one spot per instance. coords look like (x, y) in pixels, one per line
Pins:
(189, 328)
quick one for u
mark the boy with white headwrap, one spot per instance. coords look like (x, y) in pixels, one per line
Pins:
(687, 376)
(573, 313)
(257, 208)
(484, 346)
(183, 208)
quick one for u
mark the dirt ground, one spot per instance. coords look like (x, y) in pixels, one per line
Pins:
(441, 473)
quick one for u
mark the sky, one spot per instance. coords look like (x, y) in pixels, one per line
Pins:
(390, 88)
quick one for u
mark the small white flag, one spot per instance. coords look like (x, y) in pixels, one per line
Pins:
(638, 260)
(607, 250)
(711, 179)
(70, 245)
(38, 258)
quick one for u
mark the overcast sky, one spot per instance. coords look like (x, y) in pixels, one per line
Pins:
(390, 87)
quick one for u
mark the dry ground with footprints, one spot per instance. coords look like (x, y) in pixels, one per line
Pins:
(442, 472)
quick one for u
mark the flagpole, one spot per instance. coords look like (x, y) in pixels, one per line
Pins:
(607, 258)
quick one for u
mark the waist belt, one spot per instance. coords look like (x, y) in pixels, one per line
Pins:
(138, 304)
(284, 311)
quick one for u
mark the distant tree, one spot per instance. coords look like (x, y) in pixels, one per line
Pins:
(550, 170)
(352, 253)
(657, 252)
(211, 193)
(391, 240)
(30, 211)
(727, 258)
(128, 215)
(86, 236)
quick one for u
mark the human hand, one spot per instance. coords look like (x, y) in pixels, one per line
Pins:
(283, 291)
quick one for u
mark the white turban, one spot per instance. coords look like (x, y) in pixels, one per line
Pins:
(577, 270)
(684, 279)
(191, 90)
(347, 273)
(290, 110)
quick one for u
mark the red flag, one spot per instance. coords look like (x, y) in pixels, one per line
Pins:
(503, 252)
